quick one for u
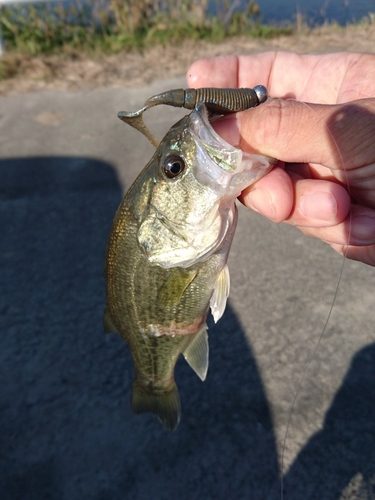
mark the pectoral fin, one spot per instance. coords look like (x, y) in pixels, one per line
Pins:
(174, 287)
(196, 354)
(109, 326)
(219, 297)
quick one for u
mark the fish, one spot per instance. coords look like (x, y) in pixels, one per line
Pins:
(166, 259)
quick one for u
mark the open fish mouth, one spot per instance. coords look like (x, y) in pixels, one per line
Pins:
(219, 163)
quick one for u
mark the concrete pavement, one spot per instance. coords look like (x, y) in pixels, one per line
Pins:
(67, 430)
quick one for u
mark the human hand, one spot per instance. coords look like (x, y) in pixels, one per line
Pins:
(321, 128)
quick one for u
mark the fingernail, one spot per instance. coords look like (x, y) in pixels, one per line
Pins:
(260, 200)
(319, 205)
(363, 229)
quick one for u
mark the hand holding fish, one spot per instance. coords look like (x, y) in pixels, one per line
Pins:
(325, 148)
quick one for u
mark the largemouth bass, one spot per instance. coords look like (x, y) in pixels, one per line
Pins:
(166, 262)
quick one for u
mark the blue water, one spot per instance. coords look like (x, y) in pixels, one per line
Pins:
(315, 11)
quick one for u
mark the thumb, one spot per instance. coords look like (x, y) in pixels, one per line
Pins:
(339, 137)
(291, 131)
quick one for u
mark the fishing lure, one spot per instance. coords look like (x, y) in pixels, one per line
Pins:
(217, 101)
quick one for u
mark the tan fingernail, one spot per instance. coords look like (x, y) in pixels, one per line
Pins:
(320, 205)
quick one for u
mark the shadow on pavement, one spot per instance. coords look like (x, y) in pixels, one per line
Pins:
(344, 450)
(67, 428)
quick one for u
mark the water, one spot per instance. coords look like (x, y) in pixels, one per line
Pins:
(315, 12)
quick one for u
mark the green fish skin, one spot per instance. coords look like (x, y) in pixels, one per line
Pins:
(166, 257)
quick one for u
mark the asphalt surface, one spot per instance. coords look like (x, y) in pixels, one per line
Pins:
(67, 430)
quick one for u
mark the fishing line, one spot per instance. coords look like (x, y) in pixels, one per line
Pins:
(312, 355)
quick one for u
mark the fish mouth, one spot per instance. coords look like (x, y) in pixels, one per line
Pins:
(227, 168)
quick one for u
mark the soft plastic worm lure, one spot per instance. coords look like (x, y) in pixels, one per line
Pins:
(217, 101)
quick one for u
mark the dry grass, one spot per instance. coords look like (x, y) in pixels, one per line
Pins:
(140, 68)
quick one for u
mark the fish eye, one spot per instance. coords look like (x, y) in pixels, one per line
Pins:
(173, 166)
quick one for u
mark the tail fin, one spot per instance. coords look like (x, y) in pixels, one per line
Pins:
(166, 405)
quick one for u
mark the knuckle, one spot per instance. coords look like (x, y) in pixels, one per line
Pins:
(272, 127)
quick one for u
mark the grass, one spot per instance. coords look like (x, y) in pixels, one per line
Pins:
(110, 26)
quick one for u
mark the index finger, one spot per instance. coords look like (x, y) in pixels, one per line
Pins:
(291, 75)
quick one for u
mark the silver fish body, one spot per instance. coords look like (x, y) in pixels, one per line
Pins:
(166, 262)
